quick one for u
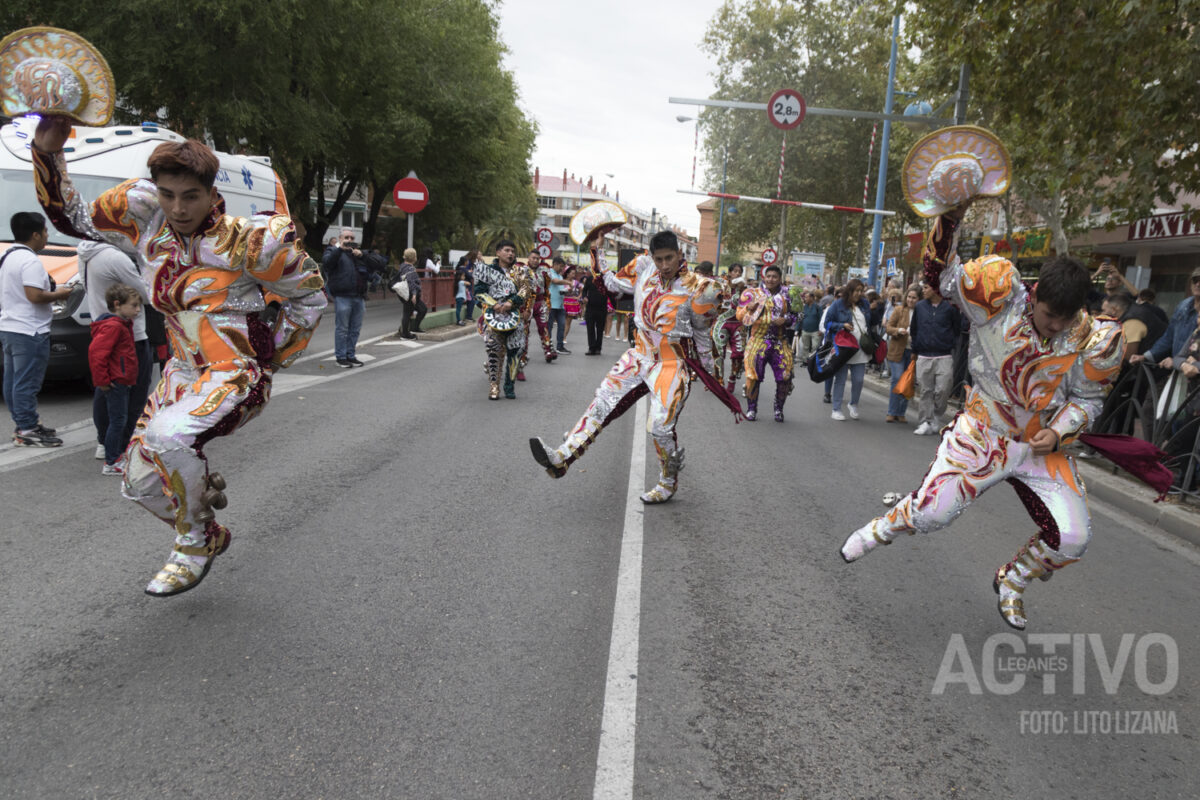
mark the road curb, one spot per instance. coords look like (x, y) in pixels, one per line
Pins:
(1120, 491)
(1126, 493)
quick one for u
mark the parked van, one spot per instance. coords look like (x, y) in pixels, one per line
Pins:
(99, 159)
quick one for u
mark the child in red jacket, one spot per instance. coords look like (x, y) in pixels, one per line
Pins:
(113, 359)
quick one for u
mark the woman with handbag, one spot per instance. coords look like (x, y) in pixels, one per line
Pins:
(899, 353)
(850, 313)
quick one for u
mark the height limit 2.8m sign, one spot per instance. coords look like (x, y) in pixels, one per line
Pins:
(786, 109)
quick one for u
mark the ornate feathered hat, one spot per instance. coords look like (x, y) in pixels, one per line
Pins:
(952, 165)
(52, 71)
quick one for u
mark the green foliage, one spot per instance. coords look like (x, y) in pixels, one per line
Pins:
(836, 55)
(358, 91)
(1098, 103)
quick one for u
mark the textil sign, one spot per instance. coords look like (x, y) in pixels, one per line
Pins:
(1167, 226)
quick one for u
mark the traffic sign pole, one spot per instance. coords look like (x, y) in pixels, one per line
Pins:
(411, 196)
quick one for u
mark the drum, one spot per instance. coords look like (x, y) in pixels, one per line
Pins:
(501, 323)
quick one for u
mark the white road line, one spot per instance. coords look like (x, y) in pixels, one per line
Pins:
(618, 727)
(324, 354)
(81, 435)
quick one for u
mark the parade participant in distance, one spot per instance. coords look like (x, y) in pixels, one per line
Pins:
(674, 309)
(502, 325)
(1041, 367)
(208, 273)
(538, 311)
(730, 334)
(766, 313)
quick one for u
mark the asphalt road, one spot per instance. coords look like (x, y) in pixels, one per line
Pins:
(412, 609)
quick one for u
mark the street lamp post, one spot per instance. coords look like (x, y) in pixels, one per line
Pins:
(721, 217)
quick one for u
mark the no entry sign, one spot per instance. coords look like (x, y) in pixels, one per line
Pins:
(411, 195)
(786, 109)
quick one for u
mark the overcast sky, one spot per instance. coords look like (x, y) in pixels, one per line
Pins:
(596, 78)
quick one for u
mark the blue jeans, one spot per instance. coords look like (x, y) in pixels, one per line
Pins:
(857, 373)
(348, 317)
(459, 304)
(25, 360)
(109, 411)
(558, 316)
(898, 403)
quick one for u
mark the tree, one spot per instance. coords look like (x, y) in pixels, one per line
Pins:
(835, 53)
(336, 93)
(1097, 103)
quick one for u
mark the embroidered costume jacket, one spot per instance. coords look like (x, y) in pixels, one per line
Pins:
(1023, 383)
(666, 315)
(212, 285)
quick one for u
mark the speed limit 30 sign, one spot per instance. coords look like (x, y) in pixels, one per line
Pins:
(786, 109)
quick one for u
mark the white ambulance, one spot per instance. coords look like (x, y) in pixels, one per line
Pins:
(98, 159)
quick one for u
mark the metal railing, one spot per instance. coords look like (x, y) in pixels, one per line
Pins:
(1132, 408)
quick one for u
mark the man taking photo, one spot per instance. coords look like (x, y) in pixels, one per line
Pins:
(25, 314)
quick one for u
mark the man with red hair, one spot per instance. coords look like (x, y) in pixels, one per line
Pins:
(212, 275)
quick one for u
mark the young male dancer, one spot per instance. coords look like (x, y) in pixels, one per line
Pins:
(207, 272)
(1041, 368)
(766, 313)
(673, 310)
(502, 290)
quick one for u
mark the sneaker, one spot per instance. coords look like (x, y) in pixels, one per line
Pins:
(826, 399)
(564, 351)
(344, 363)
(35, 438)
(100, 451)
(839, 416)
(354, 362)
(853, 409)
(409, 336)
(922, 429)
(115, 468)
(43, 429)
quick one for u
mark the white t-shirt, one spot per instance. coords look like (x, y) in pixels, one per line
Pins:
(432, 266)
(17, 315)
(860, 327)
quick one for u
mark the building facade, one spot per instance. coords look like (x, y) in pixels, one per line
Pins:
(559, 198)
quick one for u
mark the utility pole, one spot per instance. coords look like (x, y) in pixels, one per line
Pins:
(881, 186)
(721, 216)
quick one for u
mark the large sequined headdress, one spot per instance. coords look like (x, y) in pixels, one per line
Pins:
(595, 220)
(952, 165)
(49, 70)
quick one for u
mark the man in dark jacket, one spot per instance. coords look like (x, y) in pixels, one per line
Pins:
(934, 331)
(347, 269)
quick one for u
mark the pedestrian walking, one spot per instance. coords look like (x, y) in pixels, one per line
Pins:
(934, 332)
(849, 313)
(113, 361)
(558, 313)
(810, 325)
(26, 293)
(413, 309)
(899, 352)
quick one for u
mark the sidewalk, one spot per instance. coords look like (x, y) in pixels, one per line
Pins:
(1118, 490)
